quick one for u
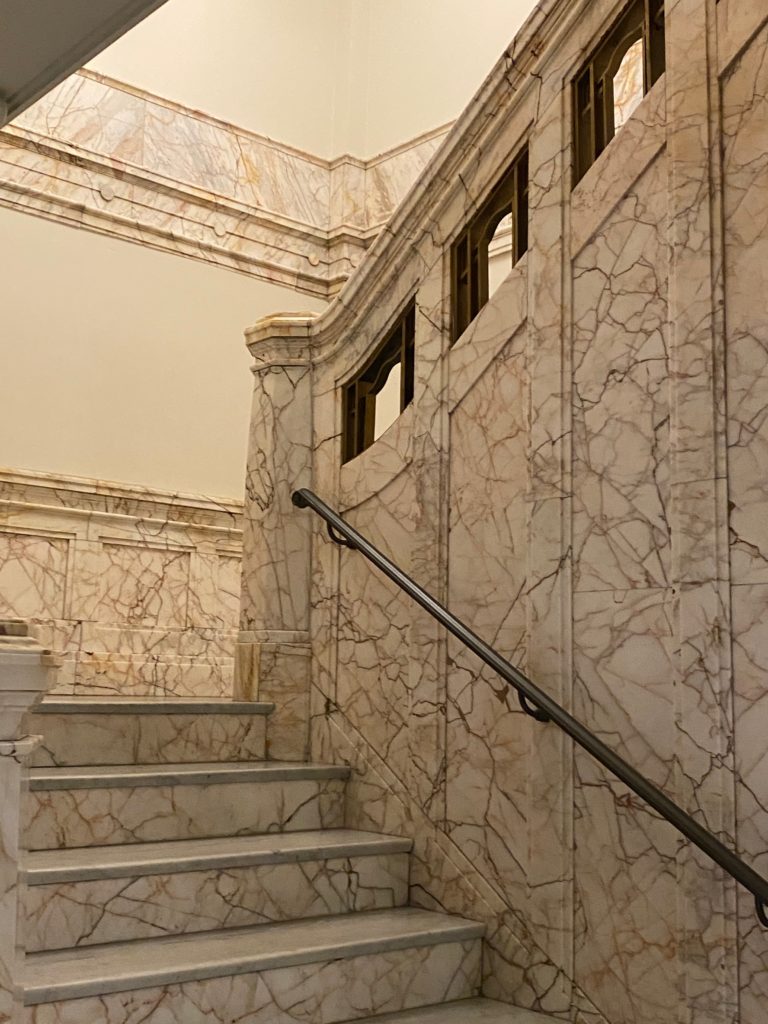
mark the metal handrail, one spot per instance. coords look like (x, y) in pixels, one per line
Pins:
(536, 703)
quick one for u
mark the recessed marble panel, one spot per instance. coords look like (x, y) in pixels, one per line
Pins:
(144, 586)
(745, 187)
(33, 575)
(621, 396)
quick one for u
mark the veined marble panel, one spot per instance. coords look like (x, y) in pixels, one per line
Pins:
(745, 123)
(138, 590)
(487, 733)
(621, 396)
(374, 620)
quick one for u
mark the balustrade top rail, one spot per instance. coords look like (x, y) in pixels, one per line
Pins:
(543, 708)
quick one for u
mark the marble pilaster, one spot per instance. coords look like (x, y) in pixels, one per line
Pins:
(272, 662)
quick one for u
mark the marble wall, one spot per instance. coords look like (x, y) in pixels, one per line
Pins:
(138, 590)
(581, 478)
(108, 157)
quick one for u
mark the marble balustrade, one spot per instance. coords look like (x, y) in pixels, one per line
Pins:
(108, 157)
(581, 477)
(137, 590)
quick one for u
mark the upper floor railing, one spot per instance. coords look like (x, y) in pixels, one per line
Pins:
(540, 706)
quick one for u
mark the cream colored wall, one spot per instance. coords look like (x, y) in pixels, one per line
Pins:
(125, 363)
(415, 64)
(266, 65)
(328, 76)
(133, 367)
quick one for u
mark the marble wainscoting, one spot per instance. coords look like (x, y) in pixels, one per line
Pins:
(581, 477)
(137, 590)
(108, 157)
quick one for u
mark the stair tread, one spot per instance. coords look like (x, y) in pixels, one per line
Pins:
(145, 963)
(199, 773)
(151, 706)
(466, 1011)
(46, 867)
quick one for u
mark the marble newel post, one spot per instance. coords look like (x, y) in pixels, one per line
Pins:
(24, 669)
(273, 657)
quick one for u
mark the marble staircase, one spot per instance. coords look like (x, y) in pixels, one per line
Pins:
(176, 876)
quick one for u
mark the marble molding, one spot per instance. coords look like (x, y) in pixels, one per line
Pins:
(137, 590)
(108, 157)
(581, 477)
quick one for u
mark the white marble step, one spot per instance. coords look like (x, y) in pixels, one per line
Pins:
(342, 967)
(80, 731)
(195, 774)
(95, 895)
(467, 1011)
(113, 805)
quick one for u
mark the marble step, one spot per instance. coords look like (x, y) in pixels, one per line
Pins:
(101, 805)
(467, 1011)
(323, 971)
(105, 894)
(86, 731)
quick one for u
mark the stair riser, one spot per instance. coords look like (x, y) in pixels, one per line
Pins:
(327, 992)
(128, 739)
(70, 914)
(125, 814)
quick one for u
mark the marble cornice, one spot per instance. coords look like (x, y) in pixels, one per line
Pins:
(114, 159)
(30, 489)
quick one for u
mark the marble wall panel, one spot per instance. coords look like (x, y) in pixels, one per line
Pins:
(137, 590)
(374, 619)
(625, 867)
(745, 123)
(487, 734)
(33, 575)
(87, 913)
(621, 396)
(586, 537)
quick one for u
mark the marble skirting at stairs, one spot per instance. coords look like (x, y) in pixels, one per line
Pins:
(176, 876)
